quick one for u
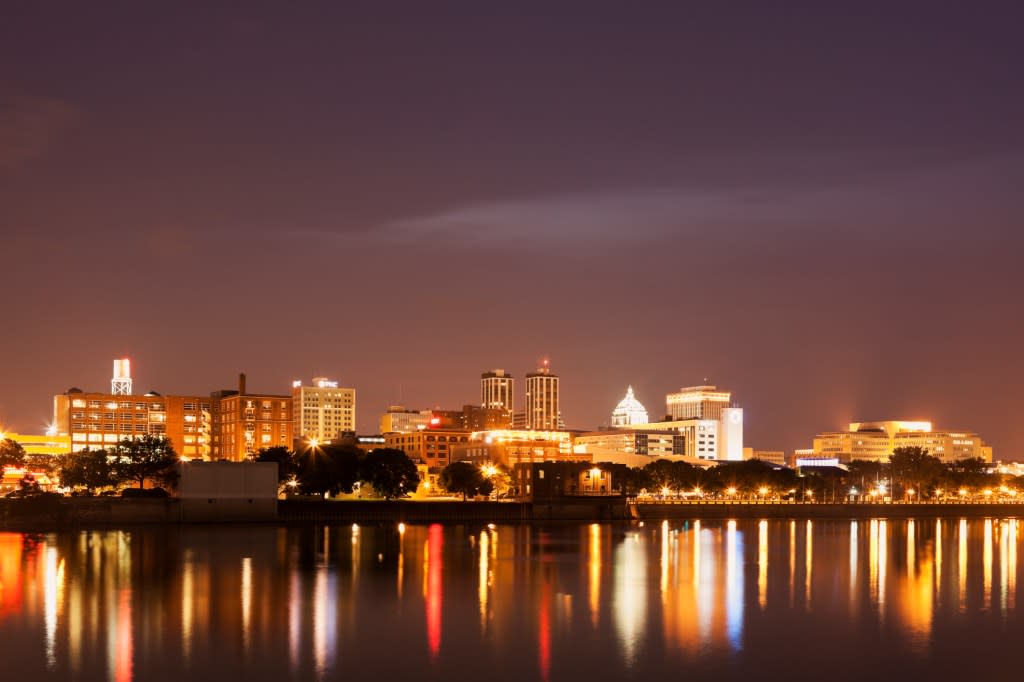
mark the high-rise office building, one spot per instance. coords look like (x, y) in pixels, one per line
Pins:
(322, 410)
(542, 400)
(497, 391)
(697, 402)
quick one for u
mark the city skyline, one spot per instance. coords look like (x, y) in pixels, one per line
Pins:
(687, 402)
(818, 208)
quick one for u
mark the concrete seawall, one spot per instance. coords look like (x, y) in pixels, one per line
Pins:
(73, 513)
(825, 511)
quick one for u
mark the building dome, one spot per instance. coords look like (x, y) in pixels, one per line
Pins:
(629, 411)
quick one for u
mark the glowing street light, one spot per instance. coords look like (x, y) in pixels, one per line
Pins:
(763, 490)
(731, 491)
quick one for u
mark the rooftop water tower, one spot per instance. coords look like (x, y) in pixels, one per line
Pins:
(121, 383)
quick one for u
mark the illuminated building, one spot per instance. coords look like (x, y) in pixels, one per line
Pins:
(121, 382)
(552, 480)
(769, 456)
(470, 418)
(101, 420)
(323, 411)
(697, 402)
(511, 446)
(244, 423)
(41, 445)
(397, 419)
(629, 411)
(700, 436)
(485, 418)
(429, 446)
(875, 441)
(712, 426)
(497, 391)
(632, 447)
(541, 411)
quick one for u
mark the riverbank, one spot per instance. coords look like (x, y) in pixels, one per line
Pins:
(84, 513)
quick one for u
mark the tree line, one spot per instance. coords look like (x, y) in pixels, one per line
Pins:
(338, 469)
(911, 472)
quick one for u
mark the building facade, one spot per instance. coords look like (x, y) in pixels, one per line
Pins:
(553, 480)
(875, 441)
(633, 448)
(509, 447)
(701, 437)
(398, 419)
(44, 445)
(497, 391)
(244, 423)
(698, 402)
(541, 400)
(323, 410)
(101, 420)
(431, 447)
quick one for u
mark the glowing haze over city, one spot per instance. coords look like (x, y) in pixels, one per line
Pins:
(818, 209)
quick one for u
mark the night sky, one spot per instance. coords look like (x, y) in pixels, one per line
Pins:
(815, 205)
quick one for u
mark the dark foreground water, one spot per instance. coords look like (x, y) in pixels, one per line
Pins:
(730, 600)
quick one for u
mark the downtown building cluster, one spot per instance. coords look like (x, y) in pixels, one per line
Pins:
(227, 424)
(509, 425)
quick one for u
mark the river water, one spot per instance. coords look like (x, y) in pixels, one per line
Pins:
(723, 600)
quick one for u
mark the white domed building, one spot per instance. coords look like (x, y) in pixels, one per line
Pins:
(629, 411)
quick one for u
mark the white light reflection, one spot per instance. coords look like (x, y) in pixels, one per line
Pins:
(53, 587)
(595, 573)
(987, 564)
(1004, 566)
(762, 564)
(962, 561)
(808, 558)
(734, 586)
(1011, 586)
(883, 554)
(629, 601)
(854, 542)
(792, 563)
(664, 559)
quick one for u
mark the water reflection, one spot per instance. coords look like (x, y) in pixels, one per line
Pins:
(630, 596)
(307, 603)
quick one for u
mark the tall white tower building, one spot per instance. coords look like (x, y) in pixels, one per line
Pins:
(322, 410)
(697, 402)
(542, 400)
(496, 390)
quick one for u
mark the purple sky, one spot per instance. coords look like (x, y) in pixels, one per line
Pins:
(818, 207)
